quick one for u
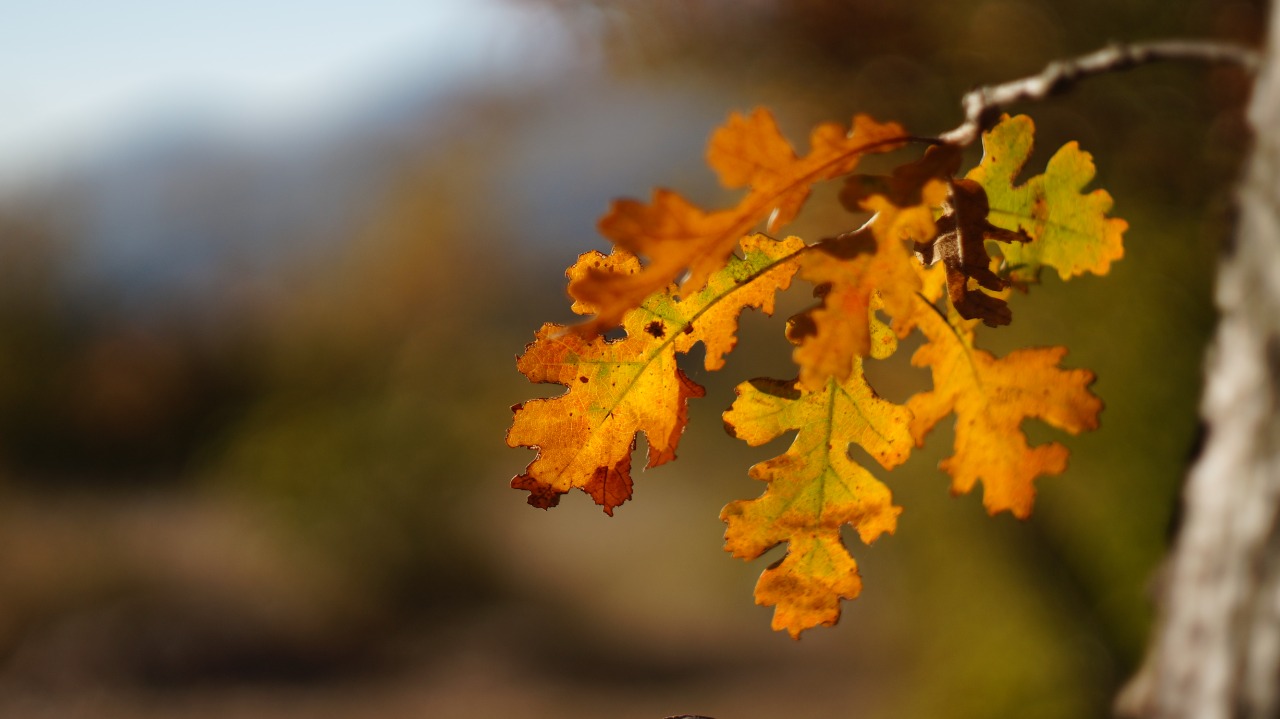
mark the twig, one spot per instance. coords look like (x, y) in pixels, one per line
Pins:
(984, 105)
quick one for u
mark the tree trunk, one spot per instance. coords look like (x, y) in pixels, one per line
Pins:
(1215, 652)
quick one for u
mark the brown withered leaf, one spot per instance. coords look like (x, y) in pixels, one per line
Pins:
(903, 187)
(960, 246)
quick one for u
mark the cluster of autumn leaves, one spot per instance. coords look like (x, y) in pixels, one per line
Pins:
(921, 262)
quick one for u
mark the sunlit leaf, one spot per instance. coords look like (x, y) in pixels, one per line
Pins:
(849, 270)
(920, 263)
(814, 490)
(618, 388)
(674, 236)
(1069, 229)
(991, 397)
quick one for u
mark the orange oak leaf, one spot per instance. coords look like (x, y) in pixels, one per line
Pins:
(849, 271)
(1070, 229)
(676, 236)
(991, 397)
(814, 490)
(617, 388)
(750, 151)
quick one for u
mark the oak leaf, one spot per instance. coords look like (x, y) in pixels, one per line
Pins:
(676, 236)
(866, 280)
(617, 388)
(960, 247)
(814, 490)
(1070, 229)
(851, 269)
(903, 187)
(991, 397)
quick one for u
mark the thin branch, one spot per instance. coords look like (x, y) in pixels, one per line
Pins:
(984, 105)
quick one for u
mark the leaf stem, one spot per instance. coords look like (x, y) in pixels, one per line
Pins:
(655, 352)
(982, 107)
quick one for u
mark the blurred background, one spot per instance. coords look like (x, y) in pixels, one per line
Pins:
(264, 268)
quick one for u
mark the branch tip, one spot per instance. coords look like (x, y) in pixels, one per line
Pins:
(984, 105)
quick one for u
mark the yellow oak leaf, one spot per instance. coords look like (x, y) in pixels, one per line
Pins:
(1069, 230)
(676, 236)
(814, 490)
(852, 269)
(991, 397)
(617, 388)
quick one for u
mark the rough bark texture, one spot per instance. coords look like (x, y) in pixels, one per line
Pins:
(1216, 650)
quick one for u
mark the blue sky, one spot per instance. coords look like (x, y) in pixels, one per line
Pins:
(74, 73)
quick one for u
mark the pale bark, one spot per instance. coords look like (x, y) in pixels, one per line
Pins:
(982, 107)
(1215, 652)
